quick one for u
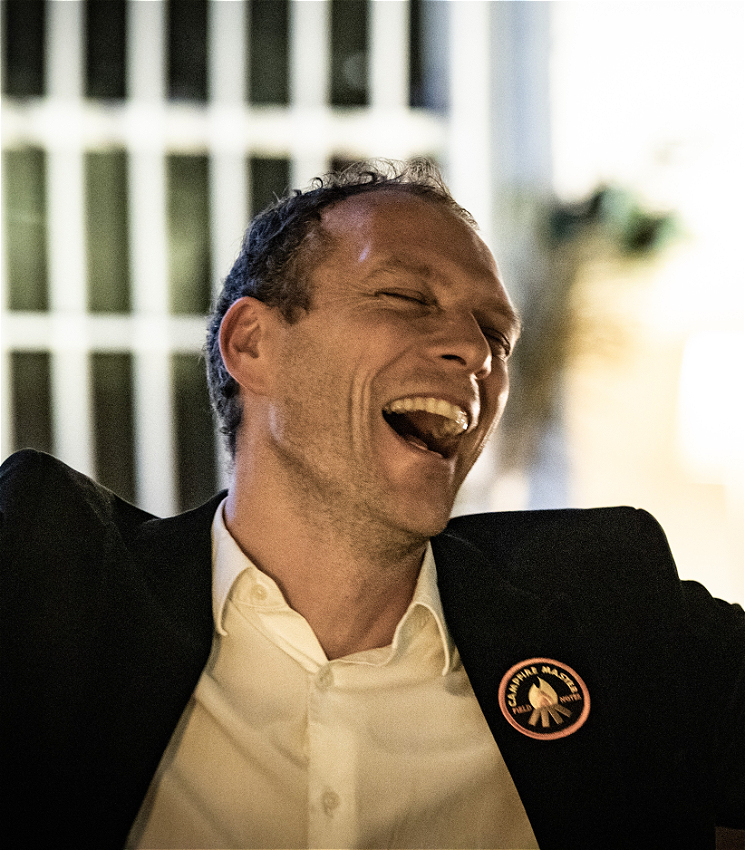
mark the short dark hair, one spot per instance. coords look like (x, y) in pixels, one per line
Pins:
(281, 246)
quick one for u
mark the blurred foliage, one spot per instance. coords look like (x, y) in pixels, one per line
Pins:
(615, 215)
(610, 224)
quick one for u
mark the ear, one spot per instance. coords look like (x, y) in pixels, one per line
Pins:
(244, 340)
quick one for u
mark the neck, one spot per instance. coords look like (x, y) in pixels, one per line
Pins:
(351, 581)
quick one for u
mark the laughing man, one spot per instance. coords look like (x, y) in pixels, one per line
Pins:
(318, 657)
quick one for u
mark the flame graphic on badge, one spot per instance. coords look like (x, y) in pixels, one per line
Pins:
(545, 702)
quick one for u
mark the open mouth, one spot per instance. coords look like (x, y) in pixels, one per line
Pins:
(430, 424)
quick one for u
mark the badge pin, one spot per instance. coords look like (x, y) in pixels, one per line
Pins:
(544, 699)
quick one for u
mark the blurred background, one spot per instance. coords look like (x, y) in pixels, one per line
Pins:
(599, 145)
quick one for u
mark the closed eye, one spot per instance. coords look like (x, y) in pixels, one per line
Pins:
(499, 343)
(404, 295)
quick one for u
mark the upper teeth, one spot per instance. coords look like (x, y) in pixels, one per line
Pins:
(456, 415)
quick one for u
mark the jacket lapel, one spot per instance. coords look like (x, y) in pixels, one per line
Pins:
(496, 625)
(162, 630)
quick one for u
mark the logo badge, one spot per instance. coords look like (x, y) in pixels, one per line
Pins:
(544, 699)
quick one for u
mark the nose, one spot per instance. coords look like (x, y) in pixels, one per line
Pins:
(463, 342)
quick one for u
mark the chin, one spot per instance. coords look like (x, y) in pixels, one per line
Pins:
(424, 521)
(419, 502)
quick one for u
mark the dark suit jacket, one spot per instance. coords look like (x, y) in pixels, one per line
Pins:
(107, 624)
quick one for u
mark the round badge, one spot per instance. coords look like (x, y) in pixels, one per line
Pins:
(544, 699)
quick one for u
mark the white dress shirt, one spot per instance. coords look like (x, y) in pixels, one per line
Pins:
(281, 748)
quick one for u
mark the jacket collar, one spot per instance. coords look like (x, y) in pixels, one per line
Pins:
(164, 633)
(175, 555)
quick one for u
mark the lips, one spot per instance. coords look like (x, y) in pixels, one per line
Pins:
(429, 423)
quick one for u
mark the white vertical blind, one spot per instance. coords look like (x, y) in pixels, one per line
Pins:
(227, 56)
(70, 379)
(310, 50)
(153, 396)
(389, 54)
(469, 148)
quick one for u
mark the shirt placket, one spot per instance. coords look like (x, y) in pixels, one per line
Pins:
(332, 765)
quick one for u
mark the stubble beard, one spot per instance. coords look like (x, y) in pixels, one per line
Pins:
(353, 507)
(341, 490)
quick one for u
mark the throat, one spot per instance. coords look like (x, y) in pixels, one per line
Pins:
(351, 606)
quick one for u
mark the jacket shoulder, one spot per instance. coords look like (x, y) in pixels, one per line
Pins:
(623, 546)
(62, 533)
(38, 488)
(106, 624)
(567, 523)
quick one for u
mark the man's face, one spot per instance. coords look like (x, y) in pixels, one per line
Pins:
(385, 392)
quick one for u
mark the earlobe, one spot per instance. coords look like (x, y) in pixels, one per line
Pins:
(243, 338)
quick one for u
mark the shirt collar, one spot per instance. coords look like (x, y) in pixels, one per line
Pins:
(427, 595)
(229, 562)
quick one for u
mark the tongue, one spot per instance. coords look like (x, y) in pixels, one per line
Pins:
(422, 429)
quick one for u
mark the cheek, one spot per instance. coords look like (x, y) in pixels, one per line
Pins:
(497, 390)
(314, 384)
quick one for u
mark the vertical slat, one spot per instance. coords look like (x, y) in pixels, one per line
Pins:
(64, 51)
(469, 155)
(72, 426)
(310, 40)
(227, 52)
(153, 396)
(521, 139)
(146, 36)
(228, 184)
(154, 449)
(65, 209)
(389, 54)
(228, 56)
(310, 24)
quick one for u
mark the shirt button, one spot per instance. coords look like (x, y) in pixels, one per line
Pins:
(330, 800)
(258, 593)
(325, 678)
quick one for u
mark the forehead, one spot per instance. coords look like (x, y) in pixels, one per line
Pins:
(397, 225)
(387, 237)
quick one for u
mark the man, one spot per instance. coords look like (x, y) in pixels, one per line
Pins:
(354, 671)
